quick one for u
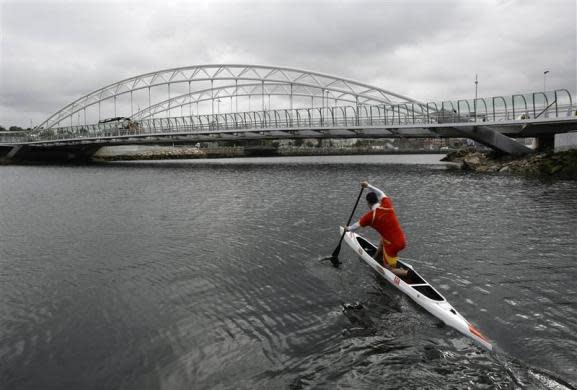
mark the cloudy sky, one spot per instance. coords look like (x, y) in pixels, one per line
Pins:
(52, 52)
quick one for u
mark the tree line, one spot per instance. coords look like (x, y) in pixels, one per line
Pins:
(14, 128)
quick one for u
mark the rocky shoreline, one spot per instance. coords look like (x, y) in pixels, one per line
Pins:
(167, 153)
(562, 165)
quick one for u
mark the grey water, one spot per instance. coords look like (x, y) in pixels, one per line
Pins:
(206, 274)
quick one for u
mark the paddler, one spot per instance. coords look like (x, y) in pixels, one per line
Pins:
(383, 219)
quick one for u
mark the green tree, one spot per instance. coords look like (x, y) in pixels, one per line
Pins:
(2, 128)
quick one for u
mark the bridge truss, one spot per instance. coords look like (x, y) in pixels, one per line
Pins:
(163, 91)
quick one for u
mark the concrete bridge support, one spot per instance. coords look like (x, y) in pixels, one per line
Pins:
(491, 137)
(545, 142)
(13, 152)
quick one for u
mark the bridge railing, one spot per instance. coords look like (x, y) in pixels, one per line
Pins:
(526, 107)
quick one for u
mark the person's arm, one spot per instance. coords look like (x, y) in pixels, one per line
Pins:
(363, 222)
(380, 194)
(353, 227)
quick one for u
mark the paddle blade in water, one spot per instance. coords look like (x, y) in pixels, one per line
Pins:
(335, 262)
(335, 256)
(333, 259)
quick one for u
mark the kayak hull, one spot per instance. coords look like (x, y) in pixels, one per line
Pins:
(417, 288)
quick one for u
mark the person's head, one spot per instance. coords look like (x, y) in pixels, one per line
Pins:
(371, 199)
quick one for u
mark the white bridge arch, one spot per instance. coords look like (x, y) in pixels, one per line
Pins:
(348, 109)
(195, 84)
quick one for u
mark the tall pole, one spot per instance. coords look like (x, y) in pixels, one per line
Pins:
(544, 80)
(475, 103)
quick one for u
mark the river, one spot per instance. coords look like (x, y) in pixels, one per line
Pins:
(206, 274)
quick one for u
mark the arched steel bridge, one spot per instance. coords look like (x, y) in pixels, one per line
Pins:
(189, 86)
(214, 102)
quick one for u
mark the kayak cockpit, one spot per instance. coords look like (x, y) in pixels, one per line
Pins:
(372, 250)
(415, 281)
(429, 292)
(367, 246)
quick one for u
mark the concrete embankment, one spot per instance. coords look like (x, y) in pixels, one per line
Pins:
(562, 165)
(129, 153)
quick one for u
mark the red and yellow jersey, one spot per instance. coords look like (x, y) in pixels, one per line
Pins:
(384, 220)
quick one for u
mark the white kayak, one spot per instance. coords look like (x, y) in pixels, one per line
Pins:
(417, 289)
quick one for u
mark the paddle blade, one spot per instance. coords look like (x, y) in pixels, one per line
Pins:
(336, 251)
(335, 262)
(335, 256)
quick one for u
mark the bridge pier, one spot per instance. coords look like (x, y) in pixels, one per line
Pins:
(491, 137)
(545, 142)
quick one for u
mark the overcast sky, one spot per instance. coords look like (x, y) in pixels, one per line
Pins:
(52, 52)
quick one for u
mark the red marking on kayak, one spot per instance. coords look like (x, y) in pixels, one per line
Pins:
(397, 280)
(476, 332)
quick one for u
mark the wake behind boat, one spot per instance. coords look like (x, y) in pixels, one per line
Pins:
(417, 288)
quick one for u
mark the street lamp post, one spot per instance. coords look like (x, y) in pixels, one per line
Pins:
(475, 102)
(545, 80)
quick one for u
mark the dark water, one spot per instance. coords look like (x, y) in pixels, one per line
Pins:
(198, 275)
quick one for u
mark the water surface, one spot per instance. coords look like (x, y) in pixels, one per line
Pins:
(205, 274)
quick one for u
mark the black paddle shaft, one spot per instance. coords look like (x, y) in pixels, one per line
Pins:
(335, 257)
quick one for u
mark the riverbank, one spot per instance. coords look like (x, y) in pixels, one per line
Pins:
(562, 165)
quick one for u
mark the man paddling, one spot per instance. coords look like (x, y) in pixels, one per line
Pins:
(383, 219)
